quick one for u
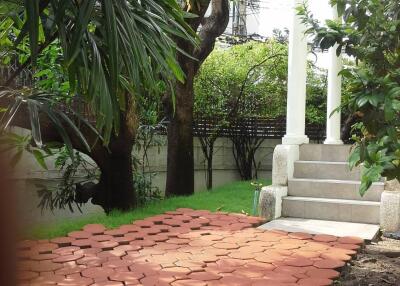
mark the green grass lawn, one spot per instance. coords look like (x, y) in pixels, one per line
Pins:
(235, 197)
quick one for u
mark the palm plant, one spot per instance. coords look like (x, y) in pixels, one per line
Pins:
(113, 54)
(110, 48)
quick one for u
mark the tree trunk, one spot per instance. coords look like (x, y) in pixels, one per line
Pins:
(210, 168)
(115, 187)
(180, 161)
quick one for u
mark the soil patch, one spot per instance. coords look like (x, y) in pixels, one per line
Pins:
(377, 265)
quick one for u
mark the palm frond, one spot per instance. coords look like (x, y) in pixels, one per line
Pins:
(107, 44)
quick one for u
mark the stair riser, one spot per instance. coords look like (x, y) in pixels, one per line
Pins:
(320, 152)
(316, 170)
(345, 191)
(331, 211)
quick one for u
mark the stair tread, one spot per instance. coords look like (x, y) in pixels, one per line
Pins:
(328, 200)
(317, 226)
(322, 162)
(332, 181)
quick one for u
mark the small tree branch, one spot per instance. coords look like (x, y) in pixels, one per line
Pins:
(244, 83)
(212, 27)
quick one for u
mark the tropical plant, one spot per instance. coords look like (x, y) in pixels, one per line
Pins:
(370, 34)
(74, 173)
(104, 45)
(113, 54)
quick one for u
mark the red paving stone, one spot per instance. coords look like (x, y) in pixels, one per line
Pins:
(185, 247)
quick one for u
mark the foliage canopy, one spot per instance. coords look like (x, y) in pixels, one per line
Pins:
(109, 48)
(250, 80)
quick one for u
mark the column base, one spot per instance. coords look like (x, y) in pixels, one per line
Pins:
(333, 142)
(390, 211)
(270, 203)
(283, 163)
(295, 140)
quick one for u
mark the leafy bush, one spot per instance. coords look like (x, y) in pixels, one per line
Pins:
(251, 80)
(369, 33)
(255, 72)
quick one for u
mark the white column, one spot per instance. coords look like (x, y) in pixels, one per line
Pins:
(297, 77)
(334, 93)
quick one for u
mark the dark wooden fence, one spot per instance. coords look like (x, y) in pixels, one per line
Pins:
(268, 128)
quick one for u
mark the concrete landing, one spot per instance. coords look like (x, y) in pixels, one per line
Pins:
(312, 226)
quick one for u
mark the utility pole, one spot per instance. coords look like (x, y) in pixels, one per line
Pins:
(239, 15)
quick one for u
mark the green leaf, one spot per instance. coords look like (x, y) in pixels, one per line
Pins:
(176, 69)
(346, 73)
(354, 158)
(341, 7)
(327, 42)
(39, 158)
(365, 185)
(388, 110)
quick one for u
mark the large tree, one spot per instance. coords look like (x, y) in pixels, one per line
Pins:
(113, 53)
(180, 162)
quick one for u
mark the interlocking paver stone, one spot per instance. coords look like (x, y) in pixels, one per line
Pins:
(185, 247)
(67, 258)
(97, 272)
(225, 245)
(350, 240)
(79, 234)
(94, 228)
(329, 264)
(314, 282)
(324, 238)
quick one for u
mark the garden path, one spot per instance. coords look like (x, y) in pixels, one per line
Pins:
(185, 247)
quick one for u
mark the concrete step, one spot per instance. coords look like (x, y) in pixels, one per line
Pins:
(331, 209)
(333, 189)
(367, 232)
(325, 170)
(324, 152)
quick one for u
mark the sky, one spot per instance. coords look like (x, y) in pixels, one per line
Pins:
(278, 14)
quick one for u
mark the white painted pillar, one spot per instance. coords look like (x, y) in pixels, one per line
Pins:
(297, 77)
(334, 93)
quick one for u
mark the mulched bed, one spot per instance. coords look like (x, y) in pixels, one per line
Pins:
(377, 265)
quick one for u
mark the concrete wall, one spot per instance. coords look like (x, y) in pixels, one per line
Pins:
(224, 166)
(29, 174)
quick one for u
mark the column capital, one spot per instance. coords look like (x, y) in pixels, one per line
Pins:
(329, 141)
(295, 139)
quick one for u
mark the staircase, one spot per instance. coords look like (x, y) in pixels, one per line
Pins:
(324, 188)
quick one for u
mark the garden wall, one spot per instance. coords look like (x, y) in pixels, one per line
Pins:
(29, 174)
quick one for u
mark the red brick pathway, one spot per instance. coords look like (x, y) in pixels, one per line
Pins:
(185, 247)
